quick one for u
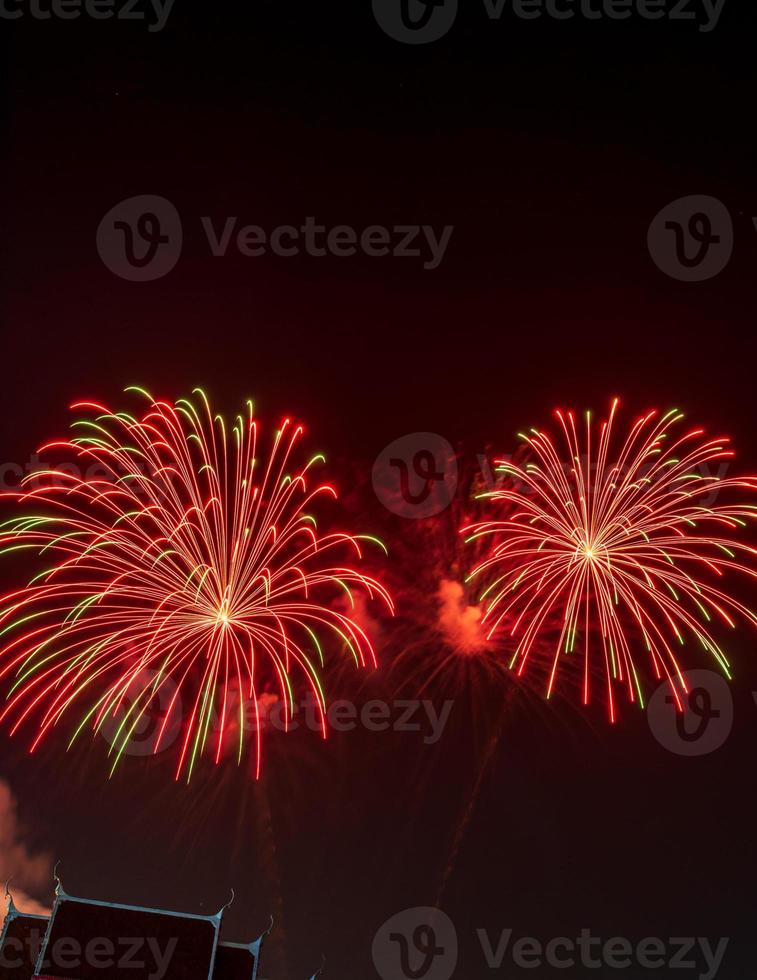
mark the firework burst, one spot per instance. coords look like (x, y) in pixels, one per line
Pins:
(192, 558)
(623, 541)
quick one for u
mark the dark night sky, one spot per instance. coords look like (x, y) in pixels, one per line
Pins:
(550, 147)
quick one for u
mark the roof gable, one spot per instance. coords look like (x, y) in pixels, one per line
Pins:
(235, 961)
(88, 940)
(20, 942)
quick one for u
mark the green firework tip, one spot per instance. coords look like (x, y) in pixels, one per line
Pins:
(140, 391)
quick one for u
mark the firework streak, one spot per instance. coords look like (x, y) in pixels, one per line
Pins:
(192, 558)
(622, 541)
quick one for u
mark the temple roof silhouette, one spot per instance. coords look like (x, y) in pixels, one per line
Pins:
(91, 940)
(20, 942)
(85, 939)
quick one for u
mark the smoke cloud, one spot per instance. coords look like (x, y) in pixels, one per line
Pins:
(31, 874)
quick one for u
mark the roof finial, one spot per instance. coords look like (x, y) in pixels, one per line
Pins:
(219, 914)
(322, 967)
(270, 927)
(58, 883)
(11, 910)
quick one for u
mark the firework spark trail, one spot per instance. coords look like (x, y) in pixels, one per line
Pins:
(485, 760)
(269, 859)
(620, 546)
(193, 554)
(441, 649)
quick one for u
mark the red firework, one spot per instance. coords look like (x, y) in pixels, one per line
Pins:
(191, 558)
(623, 541)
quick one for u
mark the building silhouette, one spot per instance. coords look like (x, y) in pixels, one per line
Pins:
(85, 939)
